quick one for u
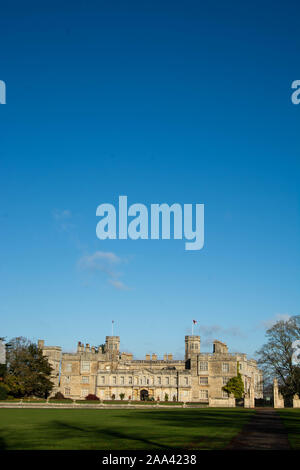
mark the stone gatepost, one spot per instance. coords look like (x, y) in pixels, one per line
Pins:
(296, 401)
(278, 399)
(246, 400)
(249, 400)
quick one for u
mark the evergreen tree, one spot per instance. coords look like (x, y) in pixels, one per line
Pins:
(28, 370)
(235, 385)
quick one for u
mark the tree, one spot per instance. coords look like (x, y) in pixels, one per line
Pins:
(28, 370)
(235, 385)
(276, 356)
(122, 396)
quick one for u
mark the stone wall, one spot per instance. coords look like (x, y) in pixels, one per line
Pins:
(221, 402)
(2, 352)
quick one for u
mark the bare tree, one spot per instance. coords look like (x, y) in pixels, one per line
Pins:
(276, 356)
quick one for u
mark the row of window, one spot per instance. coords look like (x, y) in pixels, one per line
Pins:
(85, 366)
(85, 379)
(204, 380)
(114, 380)
(203, 365)
(84, 392)
(203, 394)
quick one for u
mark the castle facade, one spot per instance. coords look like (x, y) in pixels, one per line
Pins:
(111, 374)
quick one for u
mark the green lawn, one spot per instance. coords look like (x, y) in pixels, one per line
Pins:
(291, 420)
(120, 429)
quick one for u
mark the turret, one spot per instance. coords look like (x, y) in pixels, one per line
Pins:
(192, 349)
(112, 346)
(192, 346)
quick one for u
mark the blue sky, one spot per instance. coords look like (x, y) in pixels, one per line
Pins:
(163, 102)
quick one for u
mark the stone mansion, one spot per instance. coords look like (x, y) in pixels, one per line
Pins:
(107, 372)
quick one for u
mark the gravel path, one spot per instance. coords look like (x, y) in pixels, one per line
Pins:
(265, 431)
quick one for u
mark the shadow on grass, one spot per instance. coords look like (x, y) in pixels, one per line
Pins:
(291, 421)
(134, 429)
(2, 444)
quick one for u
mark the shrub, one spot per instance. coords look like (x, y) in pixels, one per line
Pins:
(64, 400)
(122, 396)
(3, 392)
(59, 396)
(3, 369)
(174, 397)
(166, 397)
(113, 396)
(34, 400)
(92, 397)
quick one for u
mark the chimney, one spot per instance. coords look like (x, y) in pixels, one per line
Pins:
(154, 357)
(41, 344)
(87, 348)
(165, 357)
(170, 357)
(93, 349)
(147, 357)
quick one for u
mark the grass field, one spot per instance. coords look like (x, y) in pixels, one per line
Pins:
(120, 429)
(291, 420)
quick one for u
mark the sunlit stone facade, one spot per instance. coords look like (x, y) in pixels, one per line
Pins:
(109, 373)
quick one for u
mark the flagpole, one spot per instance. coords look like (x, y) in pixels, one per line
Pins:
(112, 327)
(193, 329)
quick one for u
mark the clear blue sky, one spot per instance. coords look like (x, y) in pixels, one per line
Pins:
(163, 102)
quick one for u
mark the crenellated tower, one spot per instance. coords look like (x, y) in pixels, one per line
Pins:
(192, 346)
(112, 347)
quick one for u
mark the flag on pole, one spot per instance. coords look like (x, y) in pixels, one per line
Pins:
(194, 323)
